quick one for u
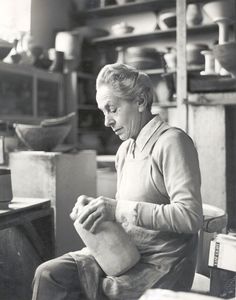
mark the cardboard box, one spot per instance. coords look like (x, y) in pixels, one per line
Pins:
(223, 252)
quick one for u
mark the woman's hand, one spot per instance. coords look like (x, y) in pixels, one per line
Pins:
(91, 212)
(79, 205)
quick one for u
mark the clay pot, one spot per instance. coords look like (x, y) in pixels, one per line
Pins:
(69, 43)
(209, 63)
(58, 62)
(194, 56)
(193, 15)
(171, 58)
(111, 246)
(143, 58)
(225, 54)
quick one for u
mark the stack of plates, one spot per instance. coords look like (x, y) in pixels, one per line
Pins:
(143, 58)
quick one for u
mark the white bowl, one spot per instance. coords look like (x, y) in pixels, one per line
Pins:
(167, 20)
(218, 10)
(122, 28)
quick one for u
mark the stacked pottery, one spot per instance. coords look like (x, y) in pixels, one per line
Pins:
(223, 13)
(141, 57)
(71, 43)
(209, 62)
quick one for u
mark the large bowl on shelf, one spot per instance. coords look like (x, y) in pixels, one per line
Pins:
(42, 138)
(144, 57)
(218, 10)
(226, 56)
(5, 48)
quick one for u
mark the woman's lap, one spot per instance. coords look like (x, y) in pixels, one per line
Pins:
(78, 275)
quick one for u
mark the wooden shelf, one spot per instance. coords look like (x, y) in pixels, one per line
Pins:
(87, 107)
(211, 83)
(156, 106)
(31, 71)
(131, 38)
(212, 98)
(129, 8)
(167, 71)
(82, 75)
(154, 71)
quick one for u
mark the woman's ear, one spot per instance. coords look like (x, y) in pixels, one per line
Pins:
(142, 103)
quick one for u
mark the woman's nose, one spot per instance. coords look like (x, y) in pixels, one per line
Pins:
(109, 121)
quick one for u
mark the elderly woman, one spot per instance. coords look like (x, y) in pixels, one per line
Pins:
(158, 201)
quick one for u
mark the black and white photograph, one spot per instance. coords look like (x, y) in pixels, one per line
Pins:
(117, 149)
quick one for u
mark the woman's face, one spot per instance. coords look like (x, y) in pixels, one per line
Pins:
(123, 117)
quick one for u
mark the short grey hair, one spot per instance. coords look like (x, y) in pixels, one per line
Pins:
(127, 82)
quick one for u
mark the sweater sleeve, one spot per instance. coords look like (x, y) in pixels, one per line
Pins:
(176, 158)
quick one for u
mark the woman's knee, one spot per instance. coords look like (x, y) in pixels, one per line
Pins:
(58, 269)
(43, 271)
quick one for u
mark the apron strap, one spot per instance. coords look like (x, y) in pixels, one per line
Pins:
(154, 138)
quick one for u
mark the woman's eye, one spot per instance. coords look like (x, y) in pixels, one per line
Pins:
(113, 110)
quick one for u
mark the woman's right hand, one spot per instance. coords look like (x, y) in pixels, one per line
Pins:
(81, 202)
(91, 212)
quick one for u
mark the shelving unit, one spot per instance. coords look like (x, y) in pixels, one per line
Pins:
(86, 110)
(180, 33)
(30, 94)
(131, 38)
(128, 8)
(210, 114)
(193, 110)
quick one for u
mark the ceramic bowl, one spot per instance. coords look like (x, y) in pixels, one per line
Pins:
(143, 63)
(121, 28)
(39, 138)
(226, 55)
(5, 48)
(167, 20)
(143, 57)
(194, 55)
(217, 10)
(143, 52)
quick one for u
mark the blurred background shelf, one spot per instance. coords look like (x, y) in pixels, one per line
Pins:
(210, 83)
(149, 36)
(129, 8)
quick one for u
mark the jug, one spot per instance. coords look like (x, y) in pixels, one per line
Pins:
(111, 246)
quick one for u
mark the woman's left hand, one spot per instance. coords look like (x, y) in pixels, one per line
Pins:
(96, 211)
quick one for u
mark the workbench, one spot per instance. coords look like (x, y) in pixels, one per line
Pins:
(26, 240)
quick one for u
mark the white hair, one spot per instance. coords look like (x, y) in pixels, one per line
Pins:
(127, 82)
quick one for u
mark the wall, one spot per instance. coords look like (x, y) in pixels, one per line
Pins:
(48, 17)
